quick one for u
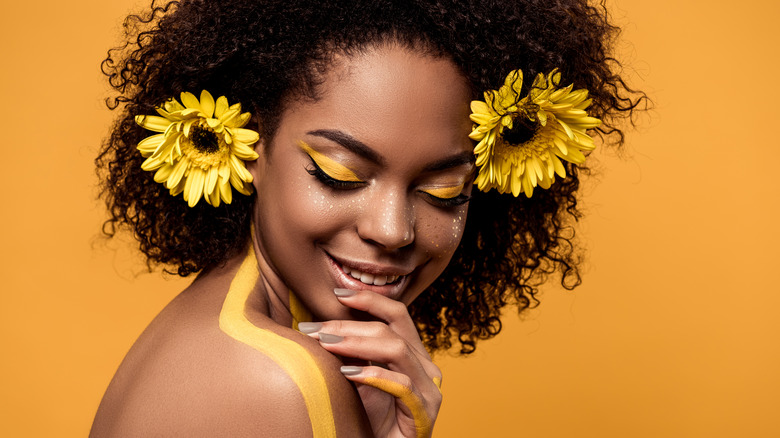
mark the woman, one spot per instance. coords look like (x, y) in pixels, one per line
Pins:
(357, 184)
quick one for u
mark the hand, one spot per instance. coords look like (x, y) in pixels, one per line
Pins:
(403, 398)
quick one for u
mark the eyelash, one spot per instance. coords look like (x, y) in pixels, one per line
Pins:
(331, 182)
(448, 202)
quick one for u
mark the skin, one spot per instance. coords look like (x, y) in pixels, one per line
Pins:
(186, 377)
(411, 111)
(288, 354)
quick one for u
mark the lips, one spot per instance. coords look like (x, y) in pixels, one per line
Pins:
(385, 280)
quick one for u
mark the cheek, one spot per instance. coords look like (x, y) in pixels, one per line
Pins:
(441, 234)
(297, 206)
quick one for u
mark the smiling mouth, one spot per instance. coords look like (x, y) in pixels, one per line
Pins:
(370, 279)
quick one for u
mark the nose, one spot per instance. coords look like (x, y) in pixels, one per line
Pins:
(387, 220)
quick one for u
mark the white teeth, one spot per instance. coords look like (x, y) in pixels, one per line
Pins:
(365, 277)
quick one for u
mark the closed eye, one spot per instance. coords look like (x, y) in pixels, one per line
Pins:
(329, 181)
(330, 167)
(444, 192)
(446, 196)
(448, 202)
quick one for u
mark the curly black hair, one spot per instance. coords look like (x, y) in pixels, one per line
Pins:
(261, 53)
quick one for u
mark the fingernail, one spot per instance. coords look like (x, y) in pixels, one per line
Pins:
(327, 338)
(309, 327)
(351, 371)
(344, 292)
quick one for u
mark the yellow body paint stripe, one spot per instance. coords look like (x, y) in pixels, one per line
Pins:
(331, 167)
(291, 357)
(298, 311)
(421, 421)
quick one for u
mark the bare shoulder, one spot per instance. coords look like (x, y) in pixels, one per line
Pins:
(186, 376)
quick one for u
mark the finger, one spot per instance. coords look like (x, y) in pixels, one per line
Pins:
(395, 313)
(384, 338)
(348, 328)
(410, 400)
(394, 352)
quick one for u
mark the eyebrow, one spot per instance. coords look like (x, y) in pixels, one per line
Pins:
(360, 148)
(466, 157)
(349, 142)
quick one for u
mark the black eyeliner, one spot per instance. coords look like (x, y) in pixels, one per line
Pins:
(329, 181)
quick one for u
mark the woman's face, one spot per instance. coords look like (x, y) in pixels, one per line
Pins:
(365, 188)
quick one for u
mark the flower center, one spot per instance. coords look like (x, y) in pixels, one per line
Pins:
(205, 147)
(523, 129)
(204, 140)
(525, 124)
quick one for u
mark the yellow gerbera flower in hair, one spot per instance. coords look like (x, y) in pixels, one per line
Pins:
(521, 141)
(201, 148)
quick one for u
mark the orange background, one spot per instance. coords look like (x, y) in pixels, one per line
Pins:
(673, 333)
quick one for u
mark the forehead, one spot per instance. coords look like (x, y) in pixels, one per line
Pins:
(393, 99)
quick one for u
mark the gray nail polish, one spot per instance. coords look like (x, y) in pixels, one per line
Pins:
(351, 371)
(327, 338)
(344, 292)
(309, 327)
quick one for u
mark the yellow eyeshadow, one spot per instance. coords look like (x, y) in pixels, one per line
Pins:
(445, 192)
(332, 168)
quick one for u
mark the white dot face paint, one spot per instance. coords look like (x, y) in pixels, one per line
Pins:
(375, 200)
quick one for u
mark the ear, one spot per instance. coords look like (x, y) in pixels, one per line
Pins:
(256, 167)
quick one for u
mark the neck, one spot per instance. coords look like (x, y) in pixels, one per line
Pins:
(273, 295)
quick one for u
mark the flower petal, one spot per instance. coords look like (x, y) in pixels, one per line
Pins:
(228, 116)
(528, 188)
(213, 198)
(221, 107)
(151, 163)
(243, 151)
(178, 172)
(224, 172)
(212, 175)
(194, 188)
(246, 136)
(150, 144)
(207, 104)
(163, 173)
(153, 123)
(172, 105)
(516, 184)
(225, 192)
(237, 168)
(559, 168)
(191, 113)
(214, 124)
(187, 126)
(241, 120)
(190, 101)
